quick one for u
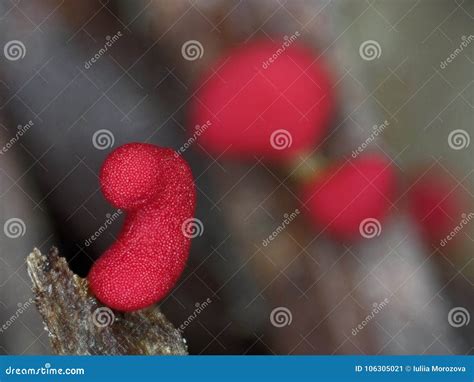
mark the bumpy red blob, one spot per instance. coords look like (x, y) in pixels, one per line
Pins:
(342, 197)
(156, 190)
(437, 204)
(263, 100)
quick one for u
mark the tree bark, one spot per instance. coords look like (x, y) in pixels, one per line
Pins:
(78, 324)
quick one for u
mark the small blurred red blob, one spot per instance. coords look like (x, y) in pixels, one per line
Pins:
(438, 204)
(345, 197)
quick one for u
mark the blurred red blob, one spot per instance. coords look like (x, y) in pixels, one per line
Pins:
(351, 200)
(437, 203)
(263, 99)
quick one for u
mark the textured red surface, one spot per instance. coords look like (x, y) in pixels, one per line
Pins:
(246, 102)
(155, 188)
(341, 197)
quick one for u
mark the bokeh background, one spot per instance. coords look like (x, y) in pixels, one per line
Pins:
(140, 90)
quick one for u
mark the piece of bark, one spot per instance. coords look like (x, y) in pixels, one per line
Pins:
(77, 323)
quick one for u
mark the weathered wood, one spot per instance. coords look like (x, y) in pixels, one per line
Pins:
(77, 323)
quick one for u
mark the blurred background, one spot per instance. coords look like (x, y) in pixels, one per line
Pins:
(78, 79)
